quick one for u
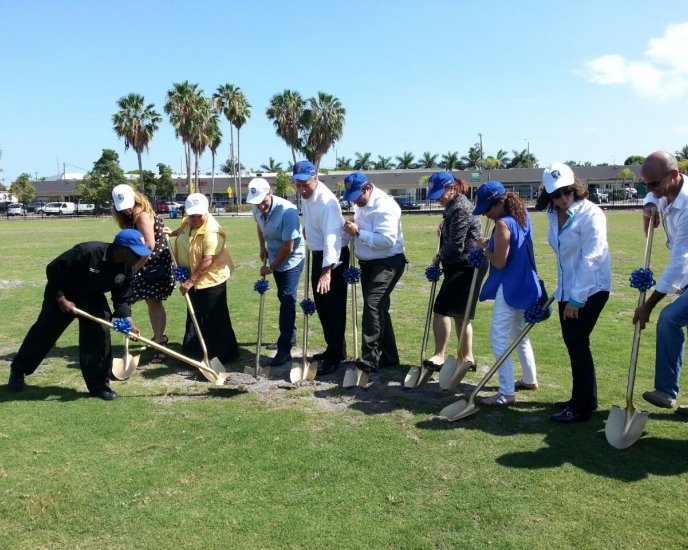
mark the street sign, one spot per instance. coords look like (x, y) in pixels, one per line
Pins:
(475, 177)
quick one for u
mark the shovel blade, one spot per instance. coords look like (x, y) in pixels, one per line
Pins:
(220, 380)
(251, 371)
(118, 368)
(361, 378)
(424, 378)
(217, 366)
(350, 377)
(459, 372)
(311, 371)
(411, 378)
(296, 372)
(458, 410)
(263, 371)
(624, 426)
(447, 373)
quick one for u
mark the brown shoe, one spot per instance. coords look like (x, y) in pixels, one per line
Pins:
(521, 385)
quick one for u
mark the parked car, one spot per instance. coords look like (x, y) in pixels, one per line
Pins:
(59, 208)
(597, 196)
(85, 208)
(631, 193)
(16, 209)
(406, 203)
(35, 207)
(161, 207)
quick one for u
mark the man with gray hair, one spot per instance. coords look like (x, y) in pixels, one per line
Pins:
(667, 197)
(281, 244)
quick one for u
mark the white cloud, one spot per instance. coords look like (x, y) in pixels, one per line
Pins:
(663, 74)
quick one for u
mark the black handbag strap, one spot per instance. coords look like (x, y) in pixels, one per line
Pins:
(531, 250)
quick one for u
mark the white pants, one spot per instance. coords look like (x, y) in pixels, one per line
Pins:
(507, 324)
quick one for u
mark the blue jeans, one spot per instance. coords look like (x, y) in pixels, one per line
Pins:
(670, 339)
(287, 291)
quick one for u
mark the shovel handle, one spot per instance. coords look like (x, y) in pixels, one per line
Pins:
(354, 299)
(150, 343)
(485, 379)
(259, 338)
(189, 306)
(306, 294)
(630, 386)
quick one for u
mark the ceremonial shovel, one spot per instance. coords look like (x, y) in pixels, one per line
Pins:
(462, 408)
(303, 370)
(625, 426)
(218, 378)
(354, 376)
(258, 370)
(419, 376)
(215, 364)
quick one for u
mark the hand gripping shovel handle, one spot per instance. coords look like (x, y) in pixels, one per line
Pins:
(189, 306)
(200, 366)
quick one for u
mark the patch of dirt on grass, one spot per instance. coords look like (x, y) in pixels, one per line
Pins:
(9, 284)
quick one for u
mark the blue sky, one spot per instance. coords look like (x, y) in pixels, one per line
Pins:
(586, 80)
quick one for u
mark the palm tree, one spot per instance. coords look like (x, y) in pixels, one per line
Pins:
(523, 159)
(136, 123)
(428, 160)
(182, 99)
(224, 98)
(682, 154)
(362, 161)
(240, 111)
(285, 111)
(323, 120)
(473, 158)
(405, 161)
(271, 166)
(451, 160)
(204, 127)
(502, 159)
(383, 163)
(344, 164)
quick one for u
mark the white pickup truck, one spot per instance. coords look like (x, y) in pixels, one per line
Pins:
(59, 208)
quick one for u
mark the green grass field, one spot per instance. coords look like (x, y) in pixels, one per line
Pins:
(176, 463)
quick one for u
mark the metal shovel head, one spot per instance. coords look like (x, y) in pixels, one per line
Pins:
(459, 372)
(411, 378)
(124, 367)
(424, 378)
(624, 426)
(311, 371)
(447, 373)
(350, 377)
(251, 371)
(296, 372)
(458, 410)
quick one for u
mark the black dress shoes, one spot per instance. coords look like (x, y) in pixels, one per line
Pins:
(16, 381)
(569, 416)
(106, 393)
(327, 367)
(365, 365)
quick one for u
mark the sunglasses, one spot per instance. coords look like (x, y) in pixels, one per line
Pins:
(650, 184)
(561, 192)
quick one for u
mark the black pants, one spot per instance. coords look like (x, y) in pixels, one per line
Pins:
(212, 313)
(378, 279)
(331, 307)
(576, 333)
(95, 351)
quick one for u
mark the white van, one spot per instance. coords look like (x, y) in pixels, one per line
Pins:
(59, 208)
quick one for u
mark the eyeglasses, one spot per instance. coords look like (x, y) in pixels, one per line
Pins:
(650, 184)
(561, 192)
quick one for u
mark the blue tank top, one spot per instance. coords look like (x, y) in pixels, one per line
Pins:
(518, 278)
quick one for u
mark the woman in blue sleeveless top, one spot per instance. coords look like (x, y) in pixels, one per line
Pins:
(512, 283)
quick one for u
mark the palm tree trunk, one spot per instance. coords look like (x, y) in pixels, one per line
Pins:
(237, 196)
(143, 188)
(196, 186)
(187, 154)
(238, 165)
(212, 181)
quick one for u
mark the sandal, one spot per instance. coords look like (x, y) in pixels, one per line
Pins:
(158, 356)
(521, 385)
(499, 400)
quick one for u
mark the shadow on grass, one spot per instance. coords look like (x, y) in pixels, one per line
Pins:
(582, 445)
(42, 393)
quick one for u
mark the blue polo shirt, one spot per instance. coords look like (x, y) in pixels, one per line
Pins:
(281, 223)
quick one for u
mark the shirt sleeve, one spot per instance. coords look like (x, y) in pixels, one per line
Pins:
(670, 281)
(593, 238)
(384, 232)
(291, 225)
(454, 233)
(331, 217)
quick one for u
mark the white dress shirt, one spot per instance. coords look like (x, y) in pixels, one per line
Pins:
(323, 223)
(675, 222)
(584, 266)
(379, 227)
